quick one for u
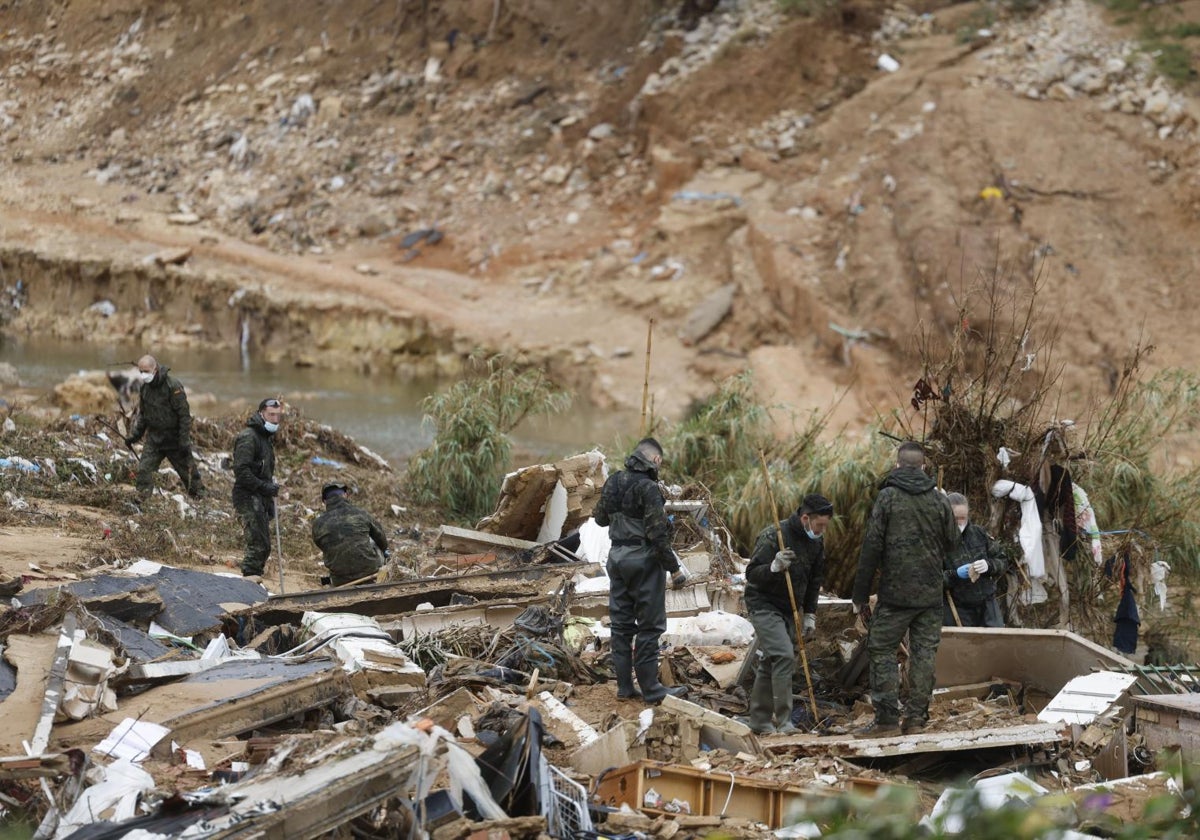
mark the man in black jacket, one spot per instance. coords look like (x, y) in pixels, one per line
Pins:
(770, 607)
(971, 575)
(632, 507)
(254, 487)
(165, 419)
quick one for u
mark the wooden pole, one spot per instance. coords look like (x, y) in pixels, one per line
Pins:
(787, 575)
(646, 379)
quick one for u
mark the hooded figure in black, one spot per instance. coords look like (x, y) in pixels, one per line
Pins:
(632, 507)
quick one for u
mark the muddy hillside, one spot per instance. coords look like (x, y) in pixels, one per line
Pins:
(800, 191)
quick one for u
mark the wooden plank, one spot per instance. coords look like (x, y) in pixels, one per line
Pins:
(54, 687)
(468, 541)
(34, 766)
(404, 596)
(1031, 734)
(32, 657)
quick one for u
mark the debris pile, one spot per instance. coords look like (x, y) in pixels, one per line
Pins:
(477, 698)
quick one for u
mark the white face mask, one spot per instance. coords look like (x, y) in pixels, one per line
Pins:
(147, 377)
(271, 427)
(962, 527)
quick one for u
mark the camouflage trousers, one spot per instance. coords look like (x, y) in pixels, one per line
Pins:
(181, 459)
(888, 626)
(254, 511)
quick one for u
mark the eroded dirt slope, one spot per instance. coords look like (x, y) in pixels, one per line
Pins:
(757, 185)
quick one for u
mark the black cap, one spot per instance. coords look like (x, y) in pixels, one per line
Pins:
(332, 489)
(816, 505)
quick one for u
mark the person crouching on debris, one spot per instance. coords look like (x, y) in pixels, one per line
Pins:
(971, 575)
(254, 487)
(631, 505)
(909, 535)
(770, 607)
(353, 544)
(165, 419)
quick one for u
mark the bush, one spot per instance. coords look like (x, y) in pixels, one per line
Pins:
(462, 469)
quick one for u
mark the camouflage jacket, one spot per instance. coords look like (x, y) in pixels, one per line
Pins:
(351, 540)
(164, 412)
(253, 459)
(767, 589)
(976, 545)
(910, 534)
(632, 507)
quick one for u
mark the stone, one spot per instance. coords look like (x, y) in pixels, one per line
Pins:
(601, 131)
(374, 224)
(556, 175)
(183, 219)
(707, 315)
(329, 109)
(1157, 104)
(1114, 67)
(173, 256)
(118, 137)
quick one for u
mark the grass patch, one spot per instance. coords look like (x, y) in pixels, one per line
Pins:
(1186, 30)
(1172, 60)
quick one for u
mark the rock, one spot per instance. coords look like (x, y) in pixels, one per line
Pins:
(183, 219)
(374, 224)
(1157, 104)
(118, 137)
(80, 203)
(708, 314)
(8, 375)
(330, 109)
(173, 256)
(601, 131)
(1114, 67)
(103, 308)
(366, 268)
(1060, 92)
(556, 175)
(1087, 80)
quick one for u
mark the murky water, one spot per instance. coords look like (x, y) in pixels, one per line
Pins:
(379, 411)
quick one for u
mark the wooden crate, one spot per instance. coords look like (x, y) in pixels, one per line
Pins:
(708, 793)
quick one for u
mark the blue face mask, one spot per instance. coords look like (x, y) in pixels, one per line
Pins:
(272, 428)
(811, 535)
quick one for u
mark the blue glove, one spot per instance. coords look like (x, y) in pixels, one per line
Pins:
(964, 571)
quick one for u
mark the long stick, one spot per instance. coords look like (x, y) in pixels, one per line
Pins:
(787, 575)
(279, 547)
(646, 379)
(954, 610)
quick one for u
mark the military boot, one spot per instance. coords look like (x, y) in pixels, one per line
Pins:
(762, 707)
(622, 659)
(654, 691)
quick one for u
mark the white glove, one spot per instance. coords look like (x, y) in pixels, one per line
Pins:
(979, 569)
(810, 625)
(782, 560)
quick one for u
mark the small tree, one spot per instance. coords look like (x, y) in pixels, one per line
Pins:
(471, 448)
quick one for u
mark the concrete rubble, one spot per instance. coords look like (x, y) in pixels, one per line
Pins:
(178, 702)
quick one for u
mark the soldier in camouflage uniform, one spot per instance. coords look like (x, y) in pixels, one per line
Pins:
(165, 419)
(254, 487)
(353, 544)
(770, 608)
(631, 505)
(982, 558)
(910, 534)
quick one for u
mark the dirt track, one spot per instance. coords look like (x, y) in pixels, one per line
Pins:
(871, 218)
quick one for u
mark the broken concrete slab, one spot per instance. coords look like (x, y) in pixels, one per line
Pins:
(715, 730)
(545, 501)
(192, 602)
(1028, 735)
(446, 711)
(231, 699)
